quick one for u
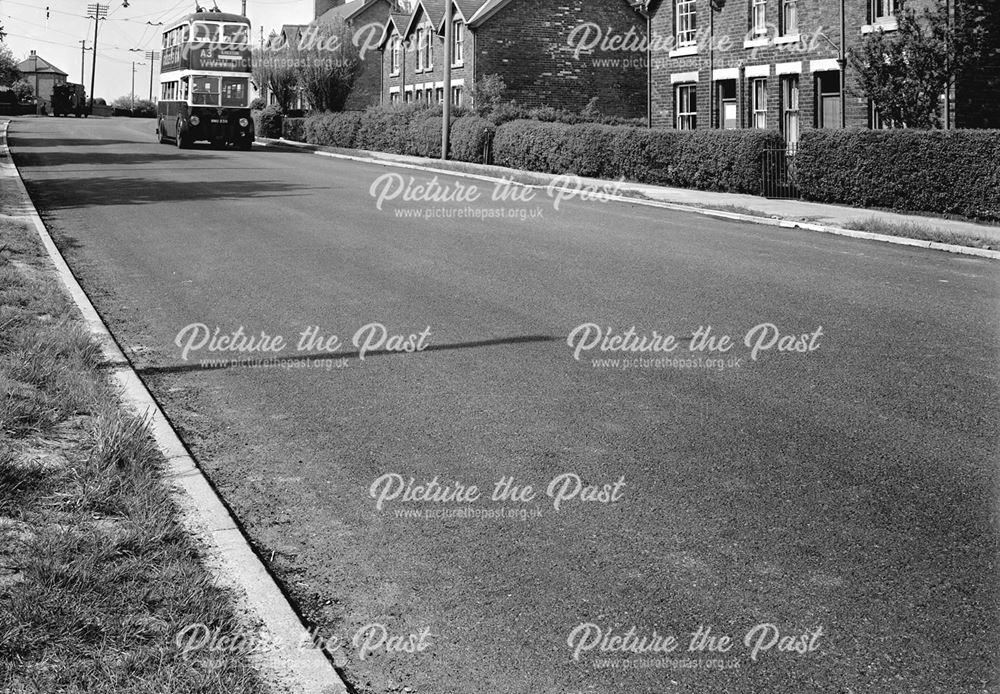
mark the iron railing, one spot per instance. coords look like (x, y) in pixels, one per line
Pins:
(779, 179)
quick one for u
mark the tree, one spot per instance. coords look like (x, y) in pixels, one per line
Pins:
(9, 74)
(274, 70)
(22, 90)
(905, 72)
(488, 94)
(328, 65)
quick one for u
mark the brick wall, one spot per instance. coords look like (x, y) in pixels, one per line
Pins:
(977, 99)
(731, 51)
(527, 44)
(461, 75)
(367, 89)
(737, 51)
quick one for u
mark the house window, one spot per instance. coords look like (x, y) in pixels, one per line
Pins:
(790, 109)
(758, 17)
(883, 9)
(687, 106)
(458, 43)
(420, 50)
(456, 96)
(394, 51)
(394, 98)
(428, 49)
(789, 17)
(828, 111)
(686, 22)
(439, 95)
(728, 111)
(758, 103)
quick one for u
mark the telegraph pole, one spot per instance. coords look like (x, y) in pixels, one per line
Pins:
(96, 12)
(449, 33)
(152, 57)
(83, 60)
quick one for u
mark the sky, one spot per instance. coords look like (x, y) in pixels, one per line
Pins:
(57, 39)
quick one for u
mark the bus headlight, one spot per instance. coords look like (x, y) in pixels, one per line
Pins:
(194, 120)
(244, 122)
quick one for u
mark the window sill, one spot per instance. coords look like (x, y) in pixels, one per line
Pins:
(788, 38)
(890, 24)
(757, 43)
(683, 51)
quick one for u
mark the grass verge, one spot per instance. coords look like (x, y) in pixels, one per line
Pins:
(921, 232)
(96, 576)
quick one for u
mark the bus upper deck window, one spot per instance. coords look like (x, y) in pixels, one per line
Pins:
(235, 34)
(206, 32)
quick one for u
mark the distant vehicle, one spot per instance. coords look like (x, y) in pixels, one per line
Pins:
(69, 99)
(205, 82)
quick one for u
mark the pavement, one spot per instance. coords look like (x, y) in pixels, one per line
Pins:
(835, 216)
(831, 512)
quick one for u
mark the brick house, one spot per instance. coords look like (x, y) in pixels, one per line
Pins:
(42, 75)
(525, 42)
(366, 20)
(768, 64)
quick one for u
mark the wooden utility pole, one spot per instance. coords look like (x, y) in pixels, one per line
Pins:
(97, 13)
(449, 33)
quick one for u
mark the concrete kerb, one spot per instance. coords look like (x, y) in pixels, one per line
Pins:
(677, 207)
(230, 559)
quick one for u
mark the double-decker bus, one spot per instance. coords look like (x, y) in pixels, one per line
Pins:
(205, 81)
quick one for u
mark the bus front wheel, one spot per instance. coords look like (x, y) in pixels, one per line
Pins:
(161, 130)
(181, 139)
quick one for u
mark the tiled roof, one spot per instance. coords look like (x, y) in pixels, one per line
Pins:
(37, 63)
(347, 11)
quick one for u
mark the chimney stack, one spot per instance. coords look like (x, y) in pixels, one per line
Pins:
(324, 6)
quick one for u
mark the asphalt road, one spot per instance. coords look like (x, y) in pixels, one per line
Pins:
(846, 495)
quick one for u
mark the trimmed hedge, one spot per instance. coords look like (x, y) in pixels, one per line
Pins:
(333, 129)
(411, 131)
(294, 129)
(267, 123)
(727, 161)
(950, 172)
(470, 137)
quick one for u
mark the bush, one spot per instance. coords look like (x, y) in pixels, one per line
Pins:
(268, 122)
(948, 172)
(294, 129)
(469, 138)
(388, 128)
(332, 129)
(425, 136)
(727, 161)
(258, 104)
(512, 110)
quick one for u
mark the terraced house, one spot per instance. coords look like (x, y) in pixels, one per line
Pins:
(525, 42)
(783, 64)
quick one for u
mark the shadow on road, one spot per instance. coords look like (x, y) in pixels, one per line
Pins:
(52, 194)
(60, 142)
(236, 362)
(92, 160)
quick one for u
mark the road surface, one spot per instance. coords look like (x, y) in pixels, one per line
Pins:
(839, 501)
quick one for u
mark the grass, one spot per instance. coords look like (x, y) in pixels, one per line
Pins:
(96, 575)
(922, 232)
